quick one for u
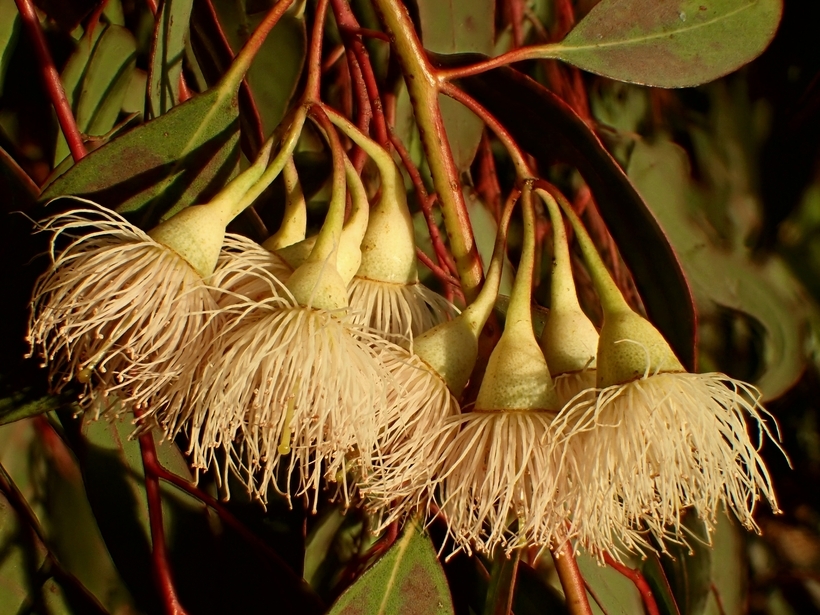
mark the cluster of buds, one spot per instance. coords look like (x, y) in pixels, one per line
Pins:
(323, 360)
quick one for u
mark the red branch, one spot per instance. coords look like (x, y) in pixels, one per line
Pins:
(51, 80)
(640, 583)
(159, 553)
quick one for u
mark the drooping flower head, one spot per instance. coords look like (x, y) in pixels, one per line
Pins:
(656, 440)
(386, 293)
(125, 313)
(412, 428)
(497, 474)
(291, 383)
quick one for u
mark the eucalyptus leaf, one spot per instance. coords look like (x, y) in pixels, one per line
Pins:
(673, 43)
(274, 75)
(167, 53)
(617, 593)
(181, 158)
(689, 570)
(728, 588)
(724, 277)
(406, 579)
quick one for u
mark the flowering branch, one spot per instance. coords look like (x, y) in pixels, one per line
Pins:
(51, 80)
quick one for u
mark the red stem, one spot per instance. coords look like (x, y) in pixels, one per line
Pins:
(348, 23)
(571, 580)
(159, 553)
(487, 186)
(365, 32)
(364, 110)
(51, 80)
(640, 583)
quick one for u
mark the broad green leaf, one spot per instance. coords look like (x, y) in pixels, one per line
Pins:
(167, 52)
(22, 554)
(484, 229)
(672, 43)
(47, 476)
(458, 26)
(112, 470)
(617, 593)
(550, 130)
(179, 159)
(723, 277)
(9, 28)
(96, 79)
(534, 596)
(407, 579)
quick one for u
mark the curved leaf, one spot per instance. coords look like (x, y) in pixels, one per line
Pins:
(9, 27)
(672, 43)
(550, 130)
(407, 579)
(161, 167)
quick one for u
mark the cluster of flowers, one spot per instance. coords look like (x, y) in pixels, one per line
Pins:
(305, 361)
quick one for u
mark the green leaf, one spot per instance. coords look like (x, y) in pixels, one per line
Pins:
(159, 168)
(407, 579)
(617, 593)
(658, 582)
(728, 569)
(9, 28)
(96, 80)
(674, 43)
(550, 130)
(458, 26)
(25, 403)
(167, 52)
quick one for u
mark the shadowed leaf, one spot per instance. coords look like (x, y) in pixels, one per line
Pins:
(458, 26)
(96, 79)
